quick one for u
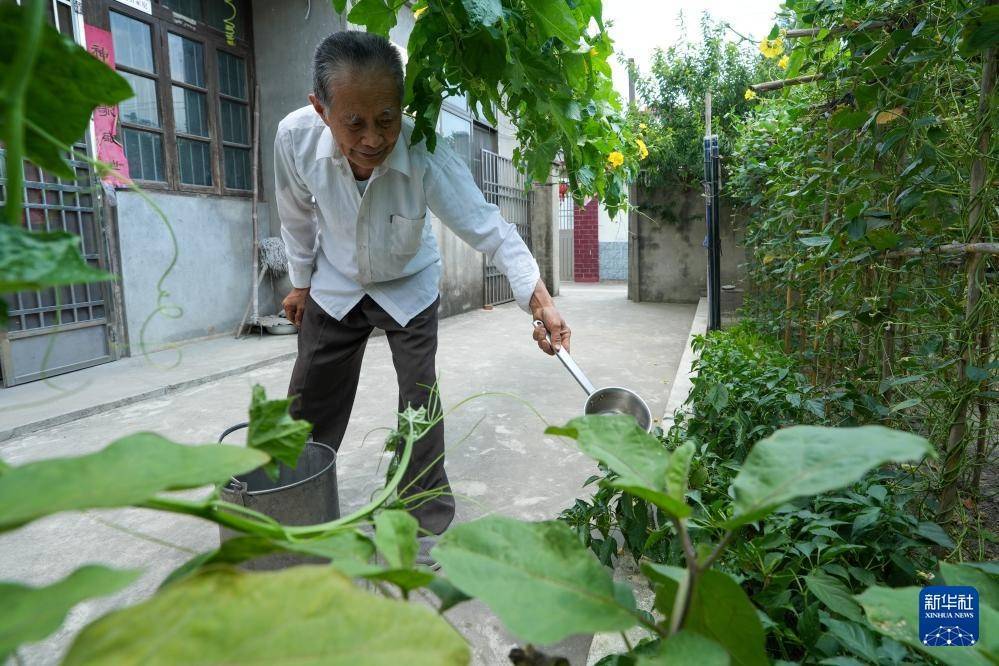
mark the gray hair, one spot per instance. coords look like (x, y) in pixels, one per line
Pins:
(352, 49)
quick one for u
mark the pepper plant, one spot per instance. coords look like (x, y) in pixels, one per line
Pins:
(799, 564)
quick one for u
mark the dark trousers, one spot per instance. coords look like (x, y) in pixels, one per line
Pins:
(325, 380)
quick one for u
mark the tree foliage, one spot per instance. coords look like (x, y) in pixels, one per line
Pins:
(672, 96)
(543, 63)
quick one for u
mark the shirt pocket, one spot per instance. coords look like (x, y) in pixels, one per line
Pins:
(405, 235)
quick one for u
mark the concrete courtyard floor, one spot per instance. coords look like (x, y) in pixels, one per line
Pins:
(498, 459)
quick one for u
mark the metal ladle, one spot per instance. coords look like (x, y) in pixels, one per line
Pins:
(607, 400)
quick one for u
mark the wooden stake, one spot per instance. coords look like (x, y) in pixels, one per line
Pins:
(814, 32)
(768, 86)
(981, 450)
(787, 322)
(949, 248)
(955, 447)
(888, 348)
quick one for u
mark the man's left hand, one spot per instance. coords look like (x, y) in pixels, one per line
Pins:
(544, 310)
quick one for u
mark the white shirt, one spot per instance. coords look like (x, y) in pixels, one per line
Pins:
(344, 243)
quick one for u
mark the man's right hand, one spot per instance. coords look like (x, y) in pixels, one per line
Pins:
(294, 305)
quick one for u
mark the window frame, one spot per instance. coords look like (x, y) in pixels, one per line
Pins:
(156, 77)
(162, 22)
(249, 102)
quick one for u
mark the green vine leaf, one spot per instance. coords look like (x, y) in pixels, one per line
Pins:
(273, 431)
(64, 86)
(375, 15)
(484, 12)
(555, 19)
(29, 614)
(36, 260)
(537, 577)
(129, 471)
(305, 614)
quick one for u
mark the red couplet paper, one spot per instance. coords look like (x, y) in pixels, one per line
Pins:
(109, 147)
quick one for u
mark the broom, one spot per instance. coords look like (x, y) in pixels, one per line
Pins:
(272, 259)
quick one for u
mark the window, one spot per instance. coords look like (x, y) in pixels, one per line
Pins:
(457, 131)
(234, 110)
(140, 116)
(189, 64)
(60, 16)
(190, 110)
(467, 133)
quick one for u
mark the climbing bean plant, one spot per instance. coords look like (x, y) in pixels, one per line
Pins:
(872, 229)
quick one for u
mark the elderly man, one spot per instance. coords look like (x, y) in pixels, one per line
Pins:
(352, 195)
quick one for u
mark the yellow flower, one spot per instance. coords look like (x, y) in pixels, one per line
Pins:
(750, 94)
(772, 48)
(418, 12)
(593, 52)
(643, 151)
(615, 159)
(886, 117)
(784, 62)
(643, 126)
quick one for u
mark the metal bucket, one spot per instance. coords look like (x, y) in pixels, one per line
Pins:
(305, 495)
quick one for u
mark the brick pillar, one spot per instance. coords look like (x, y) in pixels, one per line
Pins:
(586, 245)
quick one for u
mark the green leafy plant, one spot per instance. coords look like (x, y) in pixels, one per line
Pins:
(745, 388)
(49, 86)
(332, 620)
(792, 463)
(136, 470)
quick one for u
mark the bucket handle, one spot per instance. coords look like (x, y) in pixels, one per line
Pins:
(234, 483)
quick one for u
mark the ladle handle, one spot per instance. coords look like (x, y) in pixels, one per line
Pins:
(567, 361)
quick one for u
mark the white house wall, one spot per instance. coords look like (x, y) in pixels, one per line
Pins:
(612, 233)
(210, 282)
